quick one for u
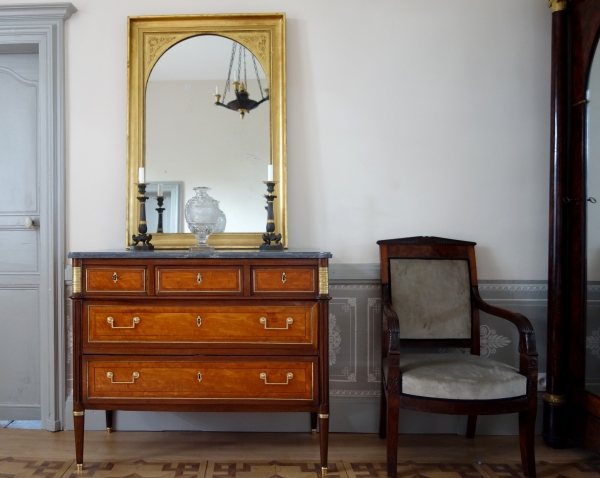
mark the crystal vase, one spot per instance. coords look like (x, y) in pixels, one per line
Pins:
(201, 215)
(222, 221)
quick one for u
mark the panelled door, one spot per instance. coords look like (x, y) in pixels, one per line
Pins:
(19, 237)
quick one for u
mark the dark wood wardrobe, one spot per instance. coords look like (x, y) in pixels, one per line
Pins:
(572, 399)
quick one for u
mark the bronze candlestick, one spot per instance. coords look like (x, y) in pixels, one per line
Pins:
(270, 235)
(142, 226)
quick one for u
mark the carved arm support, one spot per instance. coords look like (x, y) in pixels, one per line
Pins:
(391, 325)
(527, 345)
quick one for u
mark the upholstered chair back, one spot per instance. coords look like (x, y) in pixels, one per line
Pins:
(431, 297)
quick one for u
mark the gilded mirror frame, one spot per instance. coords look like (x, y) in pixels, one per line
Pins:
(150, 37)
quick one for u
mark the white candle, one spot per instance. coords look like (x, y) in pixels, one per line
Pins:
(160, 192)
(216, 90)
(270, 172)
(141, 176)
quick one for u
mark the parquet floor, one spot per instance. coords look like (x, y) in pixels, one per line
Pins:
(275, 455)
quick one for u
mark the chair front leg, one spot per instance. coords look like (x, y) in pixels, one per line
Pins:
(383, 411)
(471, 426)
(392, 435)
(526, 440)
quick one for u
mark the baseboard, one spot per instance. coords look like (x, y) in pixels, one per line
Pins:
(20, 412)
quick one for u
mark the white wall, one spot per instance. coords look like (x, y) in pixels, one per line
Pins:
(404, 118)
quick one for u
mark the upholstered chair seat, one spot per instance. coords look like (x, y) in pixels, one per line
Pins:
(459, 377)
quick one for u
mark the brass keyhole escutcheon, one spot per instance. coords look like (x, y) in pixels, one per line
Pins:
(199, 279)
(199, 321)
(115, 277)
(283, 278)
(199, 377)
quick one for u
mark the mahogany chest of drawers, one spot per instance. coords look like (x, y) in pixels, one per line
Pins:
(220, 331)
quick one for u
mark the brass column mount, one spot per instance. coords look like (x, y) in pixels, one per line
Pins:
(554, 399)
(557, 5)
(76, 280)
(324, 280)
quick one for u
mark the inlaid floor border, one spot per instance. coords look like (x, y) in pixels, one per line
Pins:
(12, 467)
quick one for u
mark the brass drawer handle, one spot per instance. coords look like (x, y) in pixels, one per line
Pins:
(283, 278)
(115, 277)
(289, 321)
(199, 377)
(134, 375)
(111, 321)
(288, 377)
(199, 279)
(199, 321)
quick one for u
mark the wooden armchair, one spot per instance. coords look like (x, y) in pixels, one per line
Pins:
(430, 299)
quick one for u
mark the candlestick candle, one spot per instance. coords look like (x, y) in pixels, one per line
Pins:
(141, 176)
(270, 172)
(160, 191)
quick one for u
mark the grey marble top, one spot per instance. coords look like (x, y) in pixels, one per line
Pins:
(216, 254)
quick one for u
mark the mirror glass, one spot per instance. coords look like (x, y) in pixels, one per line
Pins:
(592, 339)
(192, 142)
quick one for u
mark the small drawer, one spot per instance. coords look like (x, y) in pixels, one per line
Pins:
(265, 325)
(207, 280)
(116, 279)
(284, 280)
(148, 378)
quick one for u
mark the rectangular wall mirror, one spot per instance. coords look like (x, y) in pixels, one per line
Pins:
(176, 132)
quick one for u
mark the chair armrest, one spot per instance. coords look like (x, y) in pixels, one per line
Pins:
(391, 324)
(527, 343)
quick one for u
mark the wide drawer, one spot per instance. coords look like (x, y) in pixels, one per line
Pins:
(112, 377)
(264, 324)
(120, 279)
(208, 280)
(286, 280)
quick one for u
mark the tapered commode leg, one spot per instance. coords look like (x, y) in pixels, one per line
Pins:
(313, 423)
(78, 424)
(323, 439)
(109, 421)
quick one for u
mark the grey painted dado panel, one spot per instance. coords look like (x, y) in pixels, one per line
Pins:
(19, 354)
(592, 339)
(354, 364)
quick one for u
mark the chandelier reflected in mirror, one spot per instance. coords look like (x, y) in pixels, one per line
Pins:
(242, 104)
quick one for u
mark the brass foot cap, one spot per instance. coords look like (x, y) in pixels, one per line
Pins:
(79, 467)
(108, 430)
(324, 470)
(313, 432)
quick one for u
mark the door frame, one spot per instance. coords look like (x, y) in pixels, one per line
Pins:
(44, 24)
